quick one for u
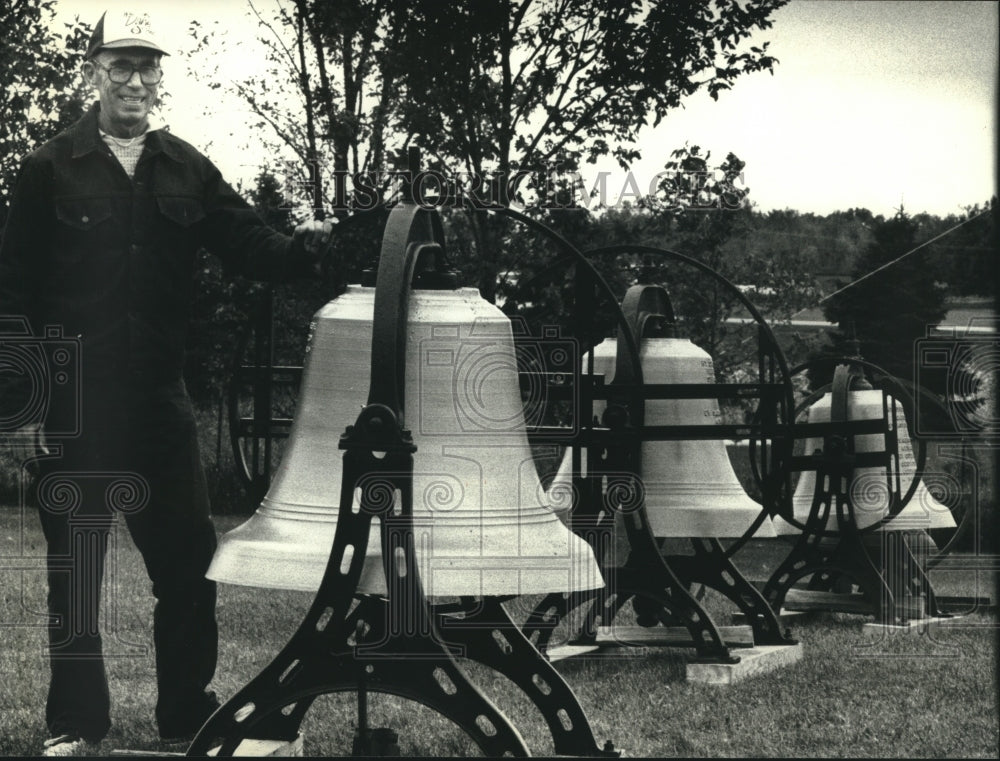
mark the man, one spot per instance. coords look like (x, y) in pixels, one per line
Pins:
(104, 226)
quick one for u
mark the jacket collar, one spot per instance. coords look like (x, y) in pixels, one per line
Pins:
(86, 137)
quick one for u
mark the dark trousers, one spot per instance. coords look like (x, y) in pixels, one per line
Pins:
(137, 455)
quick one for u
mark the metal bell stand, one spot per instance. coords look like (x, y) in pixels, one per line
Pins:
(660, 585)
(882, 566)
(398, 644)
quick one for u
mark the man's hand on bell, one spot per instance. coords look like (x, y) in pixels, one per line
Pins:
(315, 237)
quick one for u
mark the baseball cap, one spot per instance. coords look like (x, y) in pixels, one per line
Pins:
(123, 29)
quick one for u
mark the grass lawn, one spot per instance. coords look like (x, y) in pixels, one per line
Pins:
(850, 696)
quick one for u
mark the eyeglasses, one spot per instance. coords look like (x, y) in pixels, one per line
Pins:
(121, 73)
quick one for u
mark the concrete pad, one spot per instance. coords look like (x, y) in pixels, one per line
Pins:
(668, 636)
(848, 602)
(282, 748)
(249, 747)
(966, 603)
(561, 652)
(803, 600)
(914, 626)
(753, 661)
(785, 616)
(592, 651)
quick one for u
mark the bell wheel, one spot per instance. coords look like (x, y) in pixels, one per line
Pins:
(260, 400)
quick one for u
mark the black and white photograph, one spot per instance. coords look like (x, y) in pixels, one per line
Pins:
(455, 378)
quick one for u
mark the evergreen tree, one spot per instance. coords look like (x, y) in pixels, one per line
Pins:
(888, 311)
(885, 312)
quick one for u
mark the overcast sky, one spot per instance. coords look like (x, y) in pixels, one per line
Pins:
(873, 104)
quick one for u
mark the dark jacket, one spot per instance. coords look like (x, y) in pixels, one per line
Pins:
(110, 260)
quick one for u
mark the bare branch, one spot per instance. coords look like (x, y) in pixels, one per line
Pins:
(280, 130)
(556, 107)
(281, 43)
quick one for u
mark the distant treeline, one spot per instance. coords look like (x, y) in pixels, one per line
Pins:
(797, 255)
(828, 246)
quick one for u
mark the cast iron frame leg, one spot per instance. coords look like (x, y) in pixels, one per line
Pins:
(846, 558)
(317, 661)
(658, 591)
(904, 572)
(712, 567)
(489, 636)
(546, 616)
(921, 583)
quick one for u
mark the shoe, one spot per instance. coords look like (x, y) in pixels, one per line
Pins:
(68, 745)
(184, 728)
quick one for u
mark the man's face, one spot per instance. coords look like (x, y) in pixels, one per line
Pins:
(124, 107)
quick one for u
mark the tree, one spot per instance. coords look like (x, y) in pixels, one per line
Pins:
(525, 87)
(41, 91)
(967, 255)
(701, 209)
(884, 314)
(329, 59)
(224, 305)
(490, 88)
(708, 216)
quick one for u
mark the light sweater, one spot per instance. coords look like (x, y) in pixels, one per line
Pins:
(126, 151)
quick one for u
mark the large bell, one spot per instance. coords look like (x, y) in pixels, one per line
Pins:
(481, 525)
(690, 487)
(869, 490)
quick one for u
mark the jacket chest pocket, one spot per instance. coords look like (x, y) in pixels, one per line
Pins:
(84, 236)
(180, 210)
(178, 231)
(83, 214)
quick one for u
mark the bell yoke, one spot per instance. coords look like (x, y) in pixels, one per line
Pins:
(451, 522)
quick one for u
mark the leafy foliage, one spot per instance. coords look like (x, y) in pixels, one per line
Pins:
(886, 312)
(701, 210)
(41, 92)
(488, 88)
(329, 58)
(499, 88)
(966, 259)
(524, 84)
(225, 307)
(709, 216)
